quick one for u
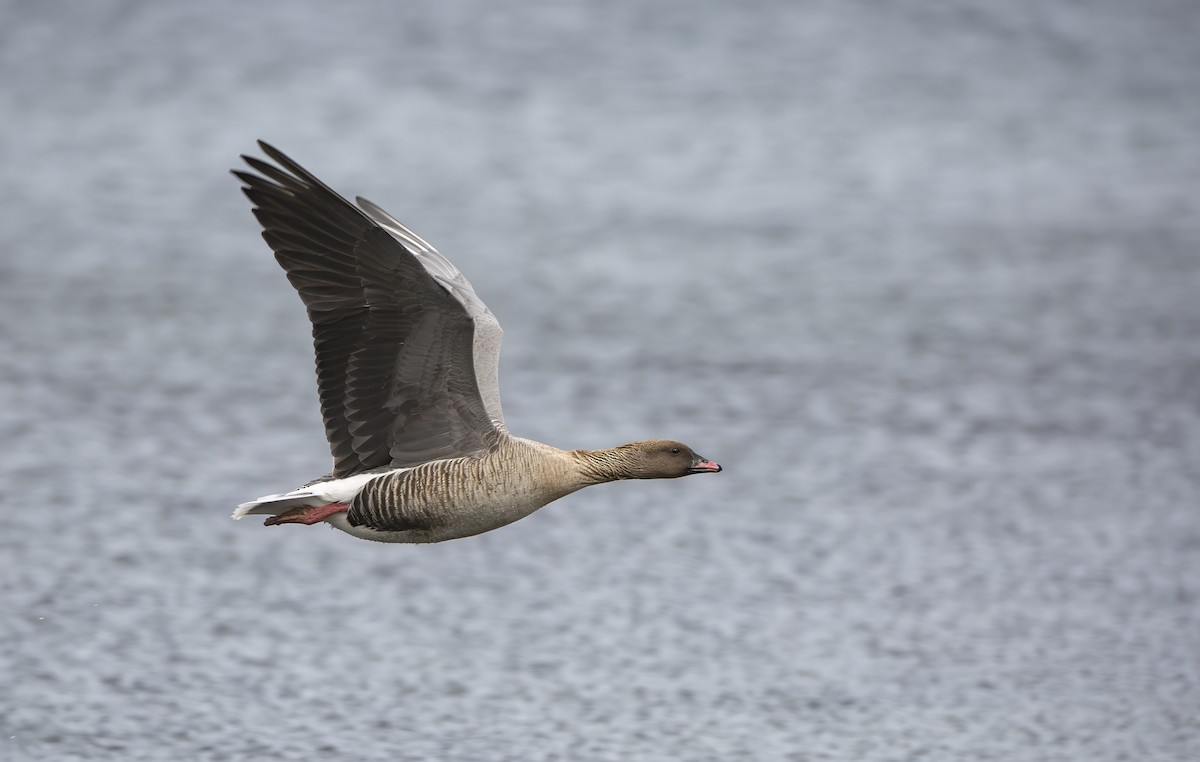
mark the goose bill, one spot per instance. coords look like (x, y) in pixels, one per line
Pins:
(702, 466)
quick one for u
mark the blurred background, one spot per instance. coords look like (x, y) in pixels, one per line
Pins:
(923, 277)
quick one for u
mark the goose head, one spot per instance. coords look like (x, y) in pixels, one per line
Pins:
(664, 459)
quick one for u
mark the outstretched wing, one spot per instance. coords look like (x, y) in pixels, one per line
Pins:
(406, 353)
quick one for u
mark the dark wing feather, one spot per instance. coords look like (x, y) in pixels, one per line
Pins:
(396, 369)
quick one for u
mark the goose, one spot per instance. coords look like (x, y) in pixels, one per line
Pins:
(406, 360)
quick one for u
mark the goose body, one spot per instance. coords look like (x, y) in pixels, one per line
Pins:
(407, 357)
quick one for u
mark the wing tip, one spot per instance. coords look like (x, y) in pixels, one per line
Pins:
(267, 147)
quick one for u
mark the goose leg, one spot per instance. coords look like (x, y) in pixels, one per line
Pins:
(307, 514)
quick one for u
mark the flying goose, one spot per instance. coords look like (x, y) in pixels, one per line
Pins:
(407, 357)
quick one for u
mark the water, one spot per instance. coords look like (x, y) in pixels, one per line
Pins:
(922, 279)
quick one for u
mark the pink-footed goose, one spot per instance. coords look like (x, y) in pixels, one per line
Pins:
(407, 358)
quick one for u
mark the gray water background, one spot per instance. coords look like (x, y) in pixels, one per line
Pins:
(922, 276)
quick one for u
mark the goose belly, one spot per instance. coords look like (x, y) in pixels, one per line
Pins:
(453, 520)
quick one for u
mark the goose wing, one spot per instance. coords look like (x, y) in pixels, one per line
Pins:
(406, 353)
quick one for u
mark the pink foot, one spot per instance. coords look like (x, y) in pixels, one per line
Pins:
(307, 514)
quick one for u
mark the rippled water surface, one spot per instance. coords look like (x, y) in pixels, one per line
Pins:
(922, 277)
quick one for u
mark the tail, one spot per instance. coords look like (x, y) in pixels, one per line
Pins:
(273, 505)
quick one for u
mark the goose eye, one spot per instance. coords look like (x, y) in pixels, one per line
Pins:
(674, 450)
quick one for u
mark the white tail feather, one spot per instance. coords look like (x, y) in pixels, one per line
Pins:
(315, 494)
(271, 505)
